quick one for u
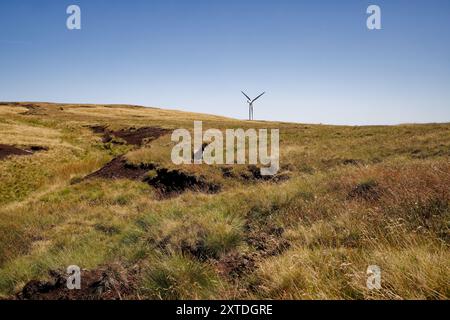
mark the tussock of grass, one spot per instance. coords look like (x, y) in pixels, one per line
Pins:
(178, 277)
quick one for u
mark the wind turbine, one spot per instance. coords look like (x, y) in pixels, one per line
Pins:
(250, 104)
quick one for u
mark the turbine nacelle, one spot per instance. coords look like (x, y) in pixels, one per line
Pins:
(250, 104)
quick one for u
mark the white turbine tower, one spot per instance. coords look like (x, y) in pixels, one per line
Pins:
(250, 104)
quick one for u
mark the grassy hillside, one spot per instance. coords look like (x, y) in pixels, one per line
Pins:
(345, 198)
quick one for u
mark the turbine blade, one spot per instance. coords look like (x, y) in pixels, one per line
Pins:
(246, 96)
(258, 96)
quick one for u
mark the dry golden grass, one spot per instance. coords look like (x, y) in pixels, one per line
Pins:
(356, 196)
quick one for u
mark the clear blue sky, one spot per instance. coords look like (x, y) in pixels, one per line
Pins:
(316, 59)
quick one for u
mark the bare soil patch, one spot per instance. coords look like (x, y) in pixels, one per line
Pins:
(8, 150)
(37, 148)
(119, 168)
(266, 239)
(173, 182)
(167, 182)
(236, 264)
(98, 129)
(131, 136)
(101, 284)
(139, 136)
(352, 162)
(369, 191)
